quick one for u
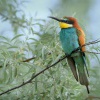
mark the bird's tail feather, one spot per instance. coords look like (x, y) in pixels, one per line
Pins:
(73, 67)
(82, 77)
(85, 63)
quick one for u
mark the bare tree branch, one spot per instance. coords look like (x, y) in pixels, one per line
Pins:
(49, 66)
(33, 76)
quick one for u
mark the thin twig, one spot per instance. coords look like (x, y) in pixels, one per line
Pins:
(29, 59)
(92, 98)
(92, 52)
(89, 43)
(34, 76)
(26, 60)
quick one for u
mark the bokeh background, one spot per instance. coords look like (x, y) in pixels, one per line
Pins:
(26, 31)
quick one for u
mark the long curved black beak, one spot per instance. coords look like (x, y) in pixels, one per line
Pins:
(61, 20)
(57, 19)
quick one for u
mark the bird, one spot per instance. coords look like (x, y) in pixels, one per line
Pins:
(72, 37)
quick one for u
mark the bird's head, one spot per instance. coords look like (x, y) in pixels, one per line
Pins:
(66, 22)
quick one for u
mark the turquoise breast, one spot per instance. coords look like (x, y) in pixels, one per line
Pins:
(69, 40)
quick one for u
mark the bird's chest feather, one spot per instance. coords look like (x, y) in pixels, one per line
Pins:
(69, 40)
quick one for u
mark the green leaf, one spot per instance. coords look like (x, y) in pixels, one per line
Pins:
(4, 38)
(17, 36)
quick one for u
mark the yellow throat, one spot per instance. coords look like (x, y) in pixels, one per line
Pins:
(65, 25)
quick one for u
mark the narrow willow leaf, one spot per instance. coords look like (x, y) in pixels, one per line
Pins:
(97, 58)
(17, 36)
(13, 47)
(35, 84)
(32, 30)
(7, 43)
(33, 39)
(4, 38)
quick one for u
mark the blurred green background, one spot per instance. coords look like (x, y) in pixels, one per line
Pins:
(26, 31)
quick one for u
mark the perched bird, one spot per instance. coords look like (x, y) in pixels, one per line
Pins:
(72, 36)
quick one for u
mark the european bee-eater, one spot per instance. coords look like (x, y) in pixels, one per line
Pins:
(72, 36)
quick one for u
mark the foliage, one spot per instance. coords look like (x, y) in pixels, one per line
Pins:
(56, 83)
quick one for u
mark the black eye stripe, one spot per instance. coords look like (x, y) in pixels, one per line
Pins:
(67, 21)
